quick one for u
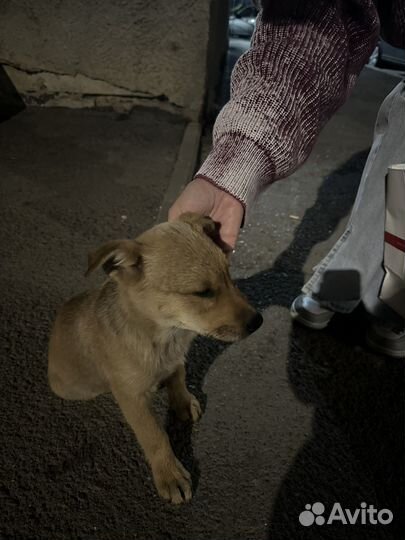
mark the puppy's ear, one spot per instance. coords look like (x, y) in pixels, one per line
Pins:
(208, 226)
(116, 257)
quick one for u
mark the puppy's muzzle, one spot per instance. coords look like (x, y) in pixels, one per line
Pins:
(254, 323)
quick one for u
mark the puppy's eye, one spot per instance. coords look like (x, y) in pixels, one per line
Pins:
(206, 293)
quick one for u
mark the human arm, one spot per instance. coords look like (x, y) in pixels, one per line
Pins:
(299, 70)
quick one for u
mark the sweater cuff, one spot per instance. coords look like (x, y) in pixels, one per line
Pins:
(238, 166)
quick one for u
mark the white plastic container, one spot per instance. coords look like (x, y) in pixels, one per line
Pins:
(393, 288)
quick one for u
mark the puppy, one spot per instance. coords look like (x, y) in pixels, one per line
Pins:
(131, 335)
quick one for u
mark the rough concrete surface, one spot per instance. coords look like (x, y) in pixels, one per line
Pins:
(159, 50)
(291, 416)
(69, 181)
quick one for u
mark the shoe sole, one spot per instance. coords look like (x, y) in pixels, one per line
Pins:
(305, 322)
(384, 350)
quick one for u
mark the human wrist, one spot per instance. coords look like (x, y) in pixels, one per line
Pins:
(237, 166)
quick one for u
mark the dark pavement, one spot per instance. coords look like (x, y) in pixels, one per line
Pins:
(291, 416)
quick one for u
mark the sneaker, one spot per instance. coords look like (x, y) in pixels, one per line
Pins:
(309, 312)
(386, 339)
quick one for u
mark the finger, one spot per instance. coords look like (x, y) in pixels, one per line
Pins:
(198, 196)
(183, 205)
(174, 212)
(229, 230)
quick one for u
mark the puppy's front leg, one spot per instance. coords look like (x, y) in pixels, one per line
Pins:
(184, 404)
(171, 479)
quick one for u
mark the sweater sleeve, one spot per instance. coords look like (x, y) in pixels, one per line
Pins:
(298, 71)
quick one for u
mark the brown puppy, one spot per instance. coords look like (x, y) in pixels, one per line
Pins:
(132, 333)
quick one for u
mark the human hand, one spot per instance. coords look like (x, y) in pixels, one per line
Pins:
(202, 197)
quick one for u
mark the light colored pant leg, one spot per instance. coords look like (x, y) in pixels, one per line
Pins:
(359, 251)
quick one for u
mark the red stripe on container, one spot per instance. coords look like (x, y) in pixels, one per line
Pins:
(395, 241)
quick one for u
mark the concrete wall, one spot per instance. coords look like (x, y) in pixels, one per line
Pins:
(103, 52)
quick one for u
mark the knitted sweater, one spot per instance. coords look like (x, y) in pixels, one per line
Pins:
(299, 70)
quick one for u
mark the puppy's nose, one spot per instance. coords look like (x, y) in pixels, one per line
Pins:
(254, 323)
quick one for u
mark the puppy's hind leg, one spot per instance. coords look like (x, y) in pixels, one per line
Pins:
(185, 405)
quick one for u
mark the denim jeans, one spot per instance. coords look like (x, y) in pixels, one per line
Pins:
(355, 263)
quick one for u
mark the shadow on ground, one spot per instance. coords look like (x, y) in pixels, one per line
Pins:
(73, 470)
(356, 449)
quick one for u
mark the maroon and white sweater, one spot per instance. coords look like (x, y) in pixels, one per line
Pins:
(299, 70)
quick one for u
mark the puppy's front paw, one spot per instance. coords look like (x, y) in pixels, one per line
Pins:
(189, 409)
(172, 481)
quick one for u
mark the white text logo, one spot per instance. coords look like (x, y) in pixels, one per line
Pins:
(365, 515)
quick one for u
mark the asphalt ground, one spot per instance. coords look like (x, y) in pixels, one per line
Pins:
(291, 416)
